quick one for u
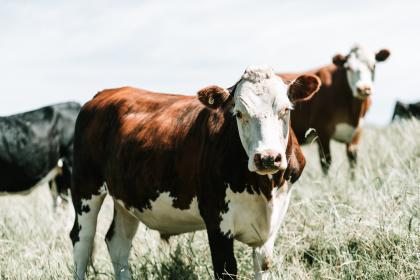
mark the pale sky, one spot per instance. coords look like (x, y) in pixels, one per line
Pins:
(53, 51)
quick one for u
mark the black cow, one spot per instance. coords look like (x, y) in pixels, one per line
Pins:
(36, 147)
(406, 110)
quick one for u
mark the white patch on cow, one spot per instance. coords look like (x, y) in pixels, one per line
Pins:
(360, 67)
(251, 218)
(344, 132)
(87, 221)
(165, 218)
(262, 110)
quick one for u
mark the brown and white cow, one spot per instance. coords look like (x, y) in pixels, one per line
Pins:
(337, 110)
(219, 162)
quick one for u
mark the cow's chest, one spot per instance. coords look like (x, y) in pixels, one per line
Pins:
(167, 219)
(344, 132)
(252, 218)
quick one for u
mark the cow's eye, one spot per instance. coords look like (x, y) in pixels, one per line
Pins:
(238, 115)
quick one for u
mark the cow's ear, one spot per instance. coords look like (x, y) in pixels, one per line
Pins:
(303, 88)
(339, 60)
(382, 55)
(296, 159)
(213, 96)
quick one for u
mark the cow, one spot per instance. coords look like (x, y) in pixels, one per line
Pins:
(36, 147)
(337, 110)
(406, 110)
(218, 162)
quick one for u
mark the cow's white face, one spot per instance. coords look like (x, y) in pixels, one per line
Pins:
(262, 110)
(261, 103)
(360, 66)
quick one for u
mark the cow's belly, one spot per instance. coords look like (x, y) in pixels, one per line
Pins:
(165, 218)
(26, 186)
(344, 132)
(251, 218)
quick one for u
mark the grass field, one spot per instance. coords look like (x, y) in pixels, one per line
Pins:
(336, 228)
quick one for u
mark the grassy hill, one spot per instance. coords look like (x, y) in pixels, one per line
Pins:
(336, 227)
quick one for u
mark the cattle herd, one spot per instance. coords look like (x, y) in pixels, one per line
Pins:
(223, 161)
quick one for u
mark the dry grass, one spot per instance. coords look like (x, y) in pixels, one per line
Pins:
(336, 228)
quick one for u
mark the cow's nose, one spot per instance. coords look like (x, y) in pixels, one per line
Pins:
(267, 160)
(364, 90)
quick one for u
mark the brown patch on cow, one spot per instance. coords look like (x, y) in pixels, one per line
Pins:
(266, 264)
(296, 159)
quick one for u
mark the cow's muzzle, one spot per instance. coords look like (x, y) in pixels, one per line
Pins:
(268, 162)
(364, 92)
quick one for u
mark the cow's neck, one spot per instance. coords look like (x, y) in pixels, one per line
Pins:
(358, 108)
(346, 97)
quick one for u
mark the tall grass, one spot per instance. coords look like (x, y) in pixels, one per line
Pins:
(336, 228)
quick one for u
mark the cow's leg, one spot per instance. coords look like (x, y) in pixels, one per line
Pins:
(324, 152)
(82, 235)
(63, 181)
(56, 200)
(351, 150)
(222, 255)
(263, 255)
(119, 238)
(353, 146)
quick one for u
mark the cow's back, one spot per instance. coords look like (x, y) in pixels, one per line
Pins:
(144, 139)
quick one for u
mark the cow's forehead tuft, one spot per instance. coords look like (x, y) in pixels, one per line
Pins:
(259, 96)
(257, 74)
(361, 53)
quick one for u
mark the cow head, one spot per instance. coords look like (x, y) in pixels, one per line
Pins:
(360, 66)
(261, 103)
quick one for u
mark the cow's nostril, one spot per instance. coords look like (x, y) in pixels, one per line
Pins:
(258, 161)
(277, 160)
(268, 161)
(364, 90)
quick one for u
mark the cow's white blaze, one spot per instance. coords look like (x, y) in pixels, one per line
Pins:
(254, 220)
(165, 218)
(262, 110)
(360, 69)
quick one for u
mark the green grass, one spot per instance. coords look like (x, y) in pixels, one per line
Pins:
(336, 228)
